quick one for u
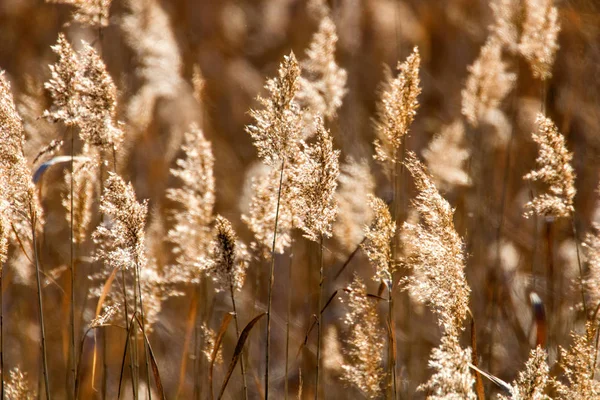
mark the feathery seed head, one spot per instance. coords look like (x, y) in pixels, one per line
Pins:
(121, 238)
(228, 259)
(579, 364)
(378, 241)
(191, 232)
(322, 88)
(533, 380)
(452, 379)
(539, 38)
(262, 211)
(354, 210)
(277, 126)
(488, 83)
(397, 108)
(435, 253)
(554, 170)
(93, 13)
(365, 343)
(446, 155)
(314, 180)
(18, 386)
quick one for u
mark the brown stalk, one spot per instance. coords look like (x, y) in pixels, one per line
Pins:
(319, 317)
(271, 278)
(237, 334)
(40, 302)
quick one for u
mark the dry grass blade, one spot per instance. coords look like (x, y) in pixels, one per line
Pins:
(238, 351)
(155, 373)
(314, 323)
(479, 390)
(129, 329)
(105, 291)
(224, 324)
(186, 344)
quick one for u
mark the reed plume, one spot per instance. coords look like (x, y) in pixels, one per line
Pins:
(314, 178)
(435, 254)
(397, 108)
(93, 13)
(378, 241)
(554, 170)
(488, 83)
(262, 211)
(228, 258)
(532, 381)
(323, 84)
(191, 232)
(354, 210)
(18, 386)
(365, 343)
(579, 364)
(446, 155)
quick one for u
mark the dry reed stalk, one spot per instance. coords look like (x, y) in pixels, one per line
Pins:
(275, 135)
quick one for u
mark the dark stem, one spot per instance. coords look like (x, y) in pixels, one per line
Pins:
(319, 316)
(287, 323)
(2, 330)
(271, 278)
(237, 334)
(40, 301)
(72, 272)
(139, 285)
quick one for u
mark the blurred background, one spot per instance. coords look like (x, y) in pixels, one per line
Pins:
(234, 46)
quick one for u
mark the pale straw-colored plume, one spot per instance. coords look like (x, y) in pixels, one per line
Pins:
(209, 338)
(84, 179)
(435, 253)
(84, 95)
(323, 84)
(579, 364)
(378, 241)
(4, 220)
(23, 207)
(532, 381)
(260, 218)
(277, 126)
(195, 197)
(591, 250)
(397, 108)
(529, 28)
(62, 85)
(93, 13)
(314, 178)
(446, 156)
(228, 258)
(507, 17)
(354, 210)
(538, 43)
(554, 170)
(121, 239)
(18, 387)
(488, 83)
(147, 30)
(364, 344)
(452, 378)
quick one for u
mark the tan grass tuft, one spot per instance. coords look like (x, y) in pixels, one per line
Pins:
(554, 170)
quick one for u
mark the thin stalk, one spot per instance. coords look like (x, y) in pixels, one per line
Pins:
(581, 280)
(40, 301)
(2, 330)
(271, 277)
(237, 334)
(391, 345)
(128, 339)
(137, 277)
(72, 273)
(319, 316)
(287, 324)
(395, 202)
